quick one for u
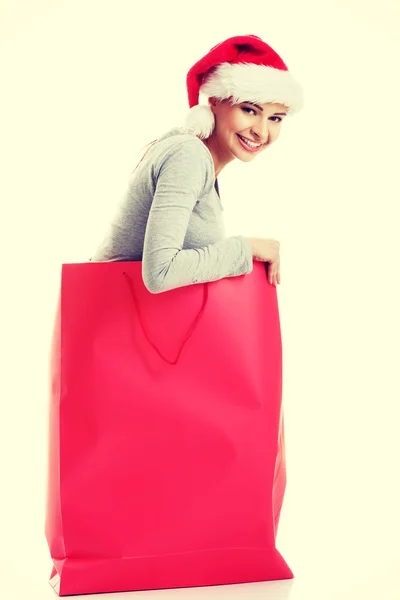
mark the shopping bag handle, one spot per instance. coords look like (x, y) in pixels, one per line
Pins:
(190, 331)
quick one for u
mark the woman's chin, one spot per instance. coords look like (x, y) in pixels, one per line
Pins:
(244, 156)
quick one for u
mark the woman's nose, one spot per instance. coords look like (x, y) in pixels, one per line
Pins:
(262, 131)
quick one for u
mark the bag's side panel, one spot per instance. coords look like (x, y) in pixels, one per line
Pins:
(53, 518)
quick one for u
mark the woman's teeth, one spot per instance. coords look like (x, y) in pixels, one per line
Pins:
(250, 144)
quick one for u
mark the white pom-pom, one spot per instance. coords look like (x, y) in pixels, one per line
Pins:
(200, 121)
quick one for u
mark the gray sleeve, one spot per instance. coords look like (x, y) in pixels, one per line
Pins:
(181, 181)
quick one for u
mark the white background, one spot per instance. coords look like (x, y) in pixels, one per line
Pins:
(84, 86)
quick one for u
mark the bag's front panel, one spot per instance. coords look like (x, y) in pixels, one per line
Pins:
(157, 459)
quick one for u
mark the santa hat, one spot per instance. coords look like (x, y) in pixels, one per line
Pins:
(245, 69)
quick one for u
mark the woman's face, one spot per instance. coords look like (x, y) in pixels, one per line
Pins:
(258, 123)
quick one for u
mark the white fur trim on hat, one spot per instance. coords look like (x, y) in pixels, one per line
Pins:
(254, 83)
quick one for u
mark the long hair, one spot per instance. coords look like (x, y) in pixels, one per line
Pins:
(149, 146)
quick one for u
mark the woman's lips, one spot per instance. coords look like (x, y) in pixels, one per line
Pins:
(246, 147)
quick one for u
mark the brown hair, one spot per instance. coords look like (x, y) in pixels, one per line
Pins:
(149, 146)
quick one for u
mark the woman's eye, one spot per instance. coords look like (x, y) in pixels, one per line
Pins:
(246, 108)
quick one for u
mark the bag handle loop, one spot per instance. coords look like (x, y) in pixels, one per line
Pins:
(189, 333)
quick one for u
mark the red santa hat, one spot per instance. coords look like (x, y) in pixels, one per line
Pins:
(245, 69)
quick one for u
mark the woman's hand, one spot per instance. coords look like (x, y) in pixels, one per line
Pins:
(268, 251)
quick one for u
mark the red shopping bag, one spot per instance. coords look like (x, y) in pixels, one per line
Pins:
(166, 445)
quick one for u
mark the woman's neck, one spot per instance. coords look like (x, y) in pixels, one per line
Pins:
(219, 160)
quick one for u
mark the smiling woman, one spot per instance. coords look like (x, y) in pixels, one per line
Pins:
(170, 469)
(171, 217)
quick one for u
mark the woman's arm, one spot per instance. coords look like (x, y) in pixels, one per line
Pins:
(181, 181)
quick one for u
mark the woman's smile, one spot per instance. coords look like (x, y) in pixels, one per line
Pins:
(248, 145)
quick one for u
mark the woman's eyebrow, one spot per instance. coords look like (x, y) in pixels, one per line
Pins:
(262, 110)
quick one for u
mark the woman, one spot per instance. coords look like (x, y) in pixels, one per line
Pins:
(185, 459)
(171, 217)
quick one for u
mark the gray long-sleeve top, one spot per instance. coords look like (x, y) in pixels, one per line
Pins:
(171, 219)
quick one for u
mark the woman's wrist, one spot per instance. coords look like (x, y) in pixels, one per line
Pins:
(253, 245)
